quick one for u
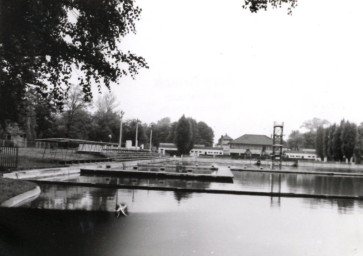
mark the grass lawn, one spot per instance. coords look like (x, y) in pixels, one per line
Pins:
(34, 158)
(10, 188)
(37, 158)
(30, 162)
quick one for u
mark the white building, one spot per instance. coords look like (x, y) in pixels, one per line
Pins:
(210, 151)
(167, 148)
(251, 145)
(303, 154)
(171, 149)
(224, 142)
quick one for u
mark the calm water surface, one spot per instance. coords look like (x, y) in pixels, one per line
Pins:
(71, 220)
(250, 181)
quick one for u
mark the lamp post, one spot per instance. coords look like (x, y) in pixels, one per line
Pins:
(121, 116)
(137, 126)
(151, 136)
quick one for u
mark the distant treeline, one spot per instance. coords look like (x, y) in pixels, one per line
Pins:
(340, 141)
(333, 142)
(97, 122)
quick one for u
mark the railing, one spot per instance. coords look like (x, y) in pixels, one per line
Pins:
(8, 157)
(40, 154)
(116, 149)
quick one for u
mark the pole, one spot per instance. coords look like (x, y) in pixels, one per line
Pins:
(137, 124)
(120, 141)
(151, 136)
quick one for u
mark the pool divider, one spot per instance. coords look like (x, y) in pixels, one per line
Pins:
(345, 174)
(198, 190)
(222, 175)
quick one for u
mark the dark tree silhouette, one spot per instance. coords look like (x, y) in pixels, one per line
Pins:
(319, 143)
(256, 5)
(184, 136)
(43, 42)
(348, 138)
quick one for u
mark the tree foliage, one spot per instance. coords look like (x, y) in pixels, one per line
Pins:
(105, 124)
(256, 5)
(358, 148)
(43, 42)
(339, 142)
(80, 127)
(129, 132)
(348, 138)
(161, 131)
(309, 139)
(75, 106)
(331, 144)
(327, 140)
(165, 131)
(106, 103)
(335, 142)
(313, 125)
(206, 134)
(44, 118)
(319, 145)
(295, 140)
(184, 135)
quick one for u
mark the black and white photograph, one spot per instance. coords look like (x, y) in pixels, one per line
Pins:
(181, 128)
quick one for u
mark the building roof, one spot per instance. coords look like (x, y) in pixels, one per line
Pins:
(167, 145)
(226, 137)
(253, 139)
(308, 150)
(207, 148)
(196, 146)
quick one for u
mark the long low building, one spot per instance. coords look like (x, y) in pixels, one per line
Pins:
(171, 149)
(303, 154)
(210, 151)
(167, 149)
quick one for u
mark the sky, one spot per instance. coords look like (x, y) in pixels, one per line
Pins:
(239, 72)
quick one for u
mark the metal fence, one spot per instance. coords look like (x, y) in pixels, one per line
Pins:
(8, 157)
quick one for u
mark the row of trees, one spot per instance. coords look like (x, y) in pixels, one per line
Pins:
(333, 142)
(340, 141)
(47, 44)
(195, 132)
(298, 140)
(188, 133)
(98, 122)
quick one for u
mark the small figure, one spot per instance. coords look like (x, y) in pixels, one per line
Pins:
(121, 208)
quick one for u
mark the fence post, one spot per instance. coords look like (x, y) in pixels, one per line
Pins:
(17, 157)
(9, 157)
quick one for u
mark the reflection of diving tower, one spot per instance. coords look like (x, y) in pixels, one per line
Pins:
(277, 142)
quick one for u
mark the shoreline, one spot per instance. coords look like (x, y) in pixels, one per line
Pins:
(17, 192)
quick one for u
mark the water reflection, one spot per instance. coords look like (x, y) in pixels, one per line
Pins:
(343, 206)
(248, 181)
(100, 199)
(168, 223)
(300, 183)
(136, 181)
(33, 232)
(74, 197)
(179, 195)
